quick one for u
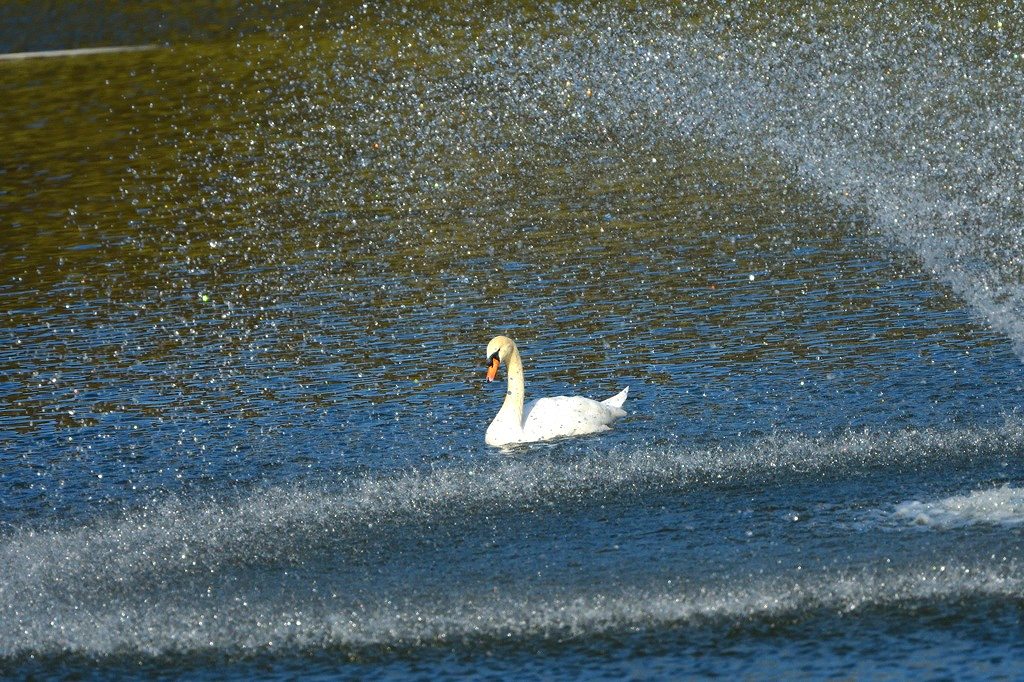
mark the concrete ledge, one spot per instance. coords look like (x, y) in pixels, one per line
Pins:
(14, 56)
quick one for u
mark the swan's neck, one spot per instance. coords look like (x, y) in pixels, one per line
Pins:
(512, 408)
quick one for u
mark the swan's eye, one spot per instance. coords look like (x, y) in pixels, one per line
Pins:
(494, 356)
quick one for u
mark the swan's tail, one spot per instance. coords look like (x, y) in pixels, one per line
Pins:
(617, 399)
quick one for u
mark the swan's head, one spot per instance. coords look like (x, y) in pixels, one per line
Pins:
(498, 351)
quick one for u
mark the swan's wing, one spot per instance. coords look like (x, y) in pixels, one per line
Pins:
(567, 416)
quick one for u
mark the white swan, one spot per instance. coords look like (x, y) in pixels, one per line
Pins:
(547, 417)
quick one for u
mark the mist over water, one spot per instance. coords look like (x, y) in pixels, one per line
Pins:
(910, 119)
(244, 319)
(906, 119)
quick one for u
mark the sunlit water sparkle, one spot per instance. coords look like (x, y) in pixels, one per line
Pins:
(248, 279)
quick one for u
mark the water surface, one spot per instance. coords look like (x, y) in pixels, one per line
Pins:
(248, 279)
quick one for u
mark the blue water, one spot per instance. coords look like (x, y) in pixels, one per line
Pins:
(248, 280)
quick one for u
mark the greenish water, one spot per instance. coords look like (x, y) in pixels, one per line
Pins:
(248, 279)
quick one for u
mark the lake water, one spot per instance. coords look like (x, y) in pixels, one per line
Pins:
(248, 278)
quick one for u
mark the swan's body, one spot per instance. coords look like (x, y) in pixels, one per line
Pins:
(545, 418)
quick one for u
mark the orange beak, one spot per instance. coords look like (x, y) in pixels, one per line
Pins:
(492, 369)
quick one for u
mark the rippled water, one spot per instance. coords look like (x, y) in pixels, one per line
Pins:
(248, 279)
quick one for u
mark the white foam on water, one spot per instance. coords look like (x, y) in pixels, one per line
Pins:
(1002, 506)
(165, 626)
(173, 578)
(760, 598)
(271, 524)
